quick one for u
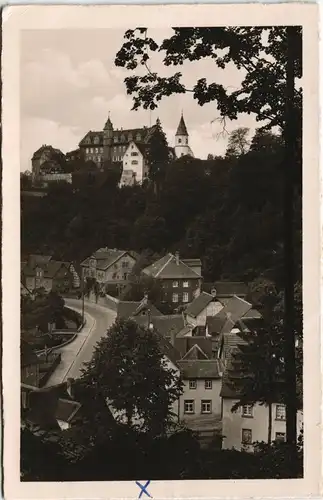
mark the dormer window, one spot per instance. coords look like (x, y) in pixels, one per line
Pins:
(96, 139)
(115, 139)
(138, 138)
(92, 262)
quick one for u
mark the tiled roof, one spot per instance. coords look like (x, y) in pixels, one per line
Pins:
(199, 304)
(37, 154)
(105, 257)
(235, 309)
(167, 268)
(27, 355)
(169, 351)
(168, 325)
(128, 309)
(66, 409)
(192, 262)
(181, 129)
(184, 344)
(201, 369)
(227, 288)
(195, 352)
(142, 147)
(122, 136)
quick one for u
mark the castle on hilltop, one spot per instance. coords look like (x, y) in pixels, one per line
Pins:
(128, 147)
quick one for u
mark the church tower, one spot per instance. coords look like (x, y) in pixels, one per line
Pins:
(181, 140)
(107, 140)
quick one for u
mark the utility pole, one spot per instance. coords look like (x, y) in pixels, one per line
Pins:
(82, 296)
(290, 139)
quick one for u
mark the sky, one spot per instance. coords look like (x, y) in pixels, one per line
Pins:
(69, 84)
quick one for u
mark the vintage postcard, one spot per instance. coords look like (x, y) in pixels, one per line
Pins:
(161, 251)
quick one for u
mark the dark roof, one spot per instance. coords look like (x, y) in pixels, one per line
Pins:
(167, 268)
(192, 262)
(36, 259)
(227, 288)
(215, 324)
(168, 349)
(199, 304)
(122, 136)
(181, 129)
(234, 309)
(128, 309)
(105, 257)
(201, 369)
(66, 409)
(230, 342)
(195, 352)
(50, 269)
(199, 331)
(184, 344)
(37, 154)
(28, 356)
(168, 325)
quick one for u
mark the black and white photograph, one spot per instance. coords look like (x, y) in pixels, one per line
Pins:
(162, 252)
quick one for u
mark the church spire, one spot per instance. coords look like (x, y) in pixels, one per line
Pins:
(181, 129)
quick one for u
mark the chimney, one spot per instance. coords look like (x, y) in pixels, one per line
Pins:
(69, 387)
(177, 257)
(213, 292)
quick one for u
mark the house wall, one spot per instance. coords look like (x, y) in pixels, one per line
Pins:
(198, 419)
(233, 423)
(168, 290)
(63, 281)
(33, 283)
(114, 273)
(134, 160)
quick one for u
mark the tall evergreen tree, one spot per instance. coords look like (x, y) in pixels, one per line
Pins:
(157, 155)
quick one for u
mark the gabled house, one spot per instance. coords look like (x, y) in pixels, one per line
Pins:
(135, 166)
(170, 326)
(41, 271)
(180, 282)
(202, 306)
(109, 265)
(200, 404)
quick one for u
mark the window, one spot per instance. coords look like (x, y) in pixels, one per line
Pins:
(134, 162)
(101, 150)
(246, 437)
(125, 263)
(185, 297)
(175, 284)
(179, 141)
(186, 141)
(138, 138)
(175, 297)
(280, 412)
(86, 150)
(208, 384)
(96, 139)
(247, 411)
(96, 150)
(280, 436)
(189, 406)
(185, 284)
(92, 150)
(115, 149)
(206, 406)
(134, 153)
(192, 384)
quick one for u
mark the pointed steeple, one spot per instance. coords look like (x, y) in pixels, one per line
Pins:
(108, 124)
(181, 129)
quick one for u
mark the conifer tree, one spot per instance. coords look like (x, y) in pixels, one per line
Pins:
(157, 155)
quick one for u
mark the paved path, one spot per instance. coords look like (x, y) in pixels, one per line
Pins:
(98, 320)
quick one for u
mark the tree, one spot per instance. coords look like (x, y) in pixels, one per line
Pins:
(157, 155)
(238, 142)
(128, 370)
(260, 52)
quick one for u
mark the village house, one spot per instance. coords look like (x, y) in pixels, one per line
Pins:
(42, 271)
(108, 266)
(180, 283)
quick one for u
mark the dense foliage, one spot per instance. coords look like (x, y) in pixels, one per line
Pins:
(227, 211)
(128, 369)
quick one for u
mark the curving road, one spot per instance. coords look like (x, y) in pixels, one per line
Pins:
(75, 354)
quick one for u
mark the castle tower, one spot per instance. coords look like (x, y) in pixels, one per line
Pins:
(107, 140)
(181, 140)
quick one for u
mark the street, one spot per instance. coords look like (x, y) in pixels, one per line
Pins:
(75, 354)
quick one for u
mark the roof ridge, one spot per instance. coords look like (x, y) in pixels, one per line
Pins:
(171, 256)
